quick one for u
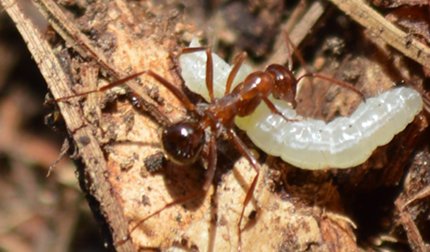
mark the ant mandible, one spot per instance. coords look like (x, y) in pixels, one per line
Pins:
(182, 142)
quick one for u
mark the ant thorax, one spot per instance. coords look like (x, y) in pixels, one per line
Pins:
(342, 143)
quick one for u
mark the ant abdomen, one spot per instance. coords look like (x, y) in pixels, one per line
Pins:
(183, 142)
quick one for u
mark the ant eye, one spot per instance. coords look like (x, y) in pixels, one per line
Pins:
(182, 142)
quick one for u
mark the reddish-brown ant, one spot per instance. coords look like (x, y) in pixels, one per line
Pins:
(183, 141)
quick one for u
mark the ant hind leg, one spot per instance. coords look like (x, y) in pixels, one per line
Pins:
(248, 155)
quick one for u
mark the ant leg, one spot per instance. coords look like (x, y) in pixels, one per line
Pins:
(274, 110)
(338, 82)
(248, 155)
(208, 180)
(100, 89)
(193, 49)
(209, 68)
(175, 91)
(178, 93)
(210, 74)
(212, 160)
(168, 205)
(240, 58)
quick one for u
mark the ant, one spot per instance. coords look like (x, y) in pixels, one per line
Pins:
(183, 142)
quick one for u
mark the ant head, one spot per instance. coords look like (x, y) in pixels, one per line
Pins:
(285, 83)
(182, 142)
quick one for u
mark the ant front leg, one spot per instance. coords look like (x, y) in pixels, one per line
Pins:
(274, 110)
(210, 75)
(209, 68)
(240, 58)
(212, 84)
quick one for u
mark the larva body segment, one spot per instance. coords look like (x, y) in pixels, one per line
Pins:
(342, 143)
(308, 143)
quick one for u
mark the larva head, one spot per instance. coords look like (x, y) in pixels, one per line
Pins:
(285, 83)
(182, 142)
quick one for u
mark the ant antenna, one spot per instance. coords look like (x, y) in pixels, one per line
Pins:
(310, 74)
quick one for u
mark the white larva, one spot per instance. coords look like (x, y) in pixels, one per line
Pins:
(311, 144)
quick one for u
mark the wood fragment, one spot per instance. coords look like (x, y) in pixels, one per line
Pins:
(380, 27)
(290, 210)
(58, 83)
(69, 32)
(414, 236)
(298, 32)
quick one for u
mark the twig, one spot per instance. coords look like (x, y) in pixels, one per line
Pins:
(414, 236)
(298, 32)
(69, 32)
(380, 27)
(59, 84)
